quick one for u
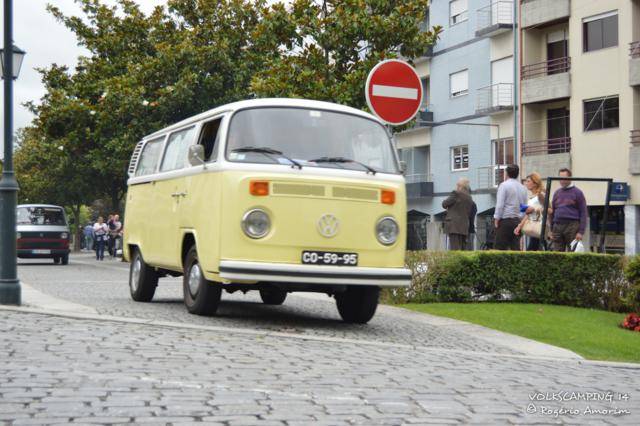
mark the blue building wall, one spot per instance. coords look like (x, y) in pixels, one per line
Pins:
(456, 50)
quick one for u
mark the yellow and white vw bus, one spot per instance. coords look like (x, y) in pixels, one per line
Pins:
(274, 195)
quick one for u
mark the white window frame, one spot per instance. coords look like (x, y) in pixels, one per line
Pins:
(459, 16)
(461, 155)
(459, 93)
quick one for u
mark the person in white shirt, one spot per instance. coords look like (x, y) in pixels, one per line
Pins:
(512, 196)
(100, 230)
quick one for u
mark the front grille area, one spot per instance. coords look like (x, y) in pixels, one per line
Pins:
(355, 193)
(298, 189)
(322, 191)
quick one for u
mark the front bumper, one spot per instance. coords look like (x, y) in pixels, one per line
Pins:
(29, 253)
(235, 270)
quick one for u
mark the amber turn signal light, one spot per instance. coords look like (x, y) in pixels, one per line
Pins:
(259, 188)
(387, 197)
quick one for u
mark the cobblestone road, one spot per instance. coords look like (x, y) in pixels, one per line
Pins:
(104, 286)
(61, 370)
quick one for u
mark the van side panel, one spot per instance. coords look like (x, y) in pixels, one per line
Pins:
(140, 200)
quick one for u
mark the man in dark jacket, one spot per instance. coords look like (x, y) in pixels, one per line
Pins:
(569, 214)
(458, 206)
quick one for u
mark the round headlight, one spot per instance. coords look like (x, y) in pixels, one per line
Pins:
(387, 231)
(64, 235)
(256, 223)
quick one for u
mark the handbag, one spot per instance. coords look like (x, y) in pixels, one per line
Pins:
(532, 228)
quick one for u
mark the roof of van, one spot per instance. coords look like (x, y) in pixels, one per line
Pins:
(40, 205)
(265, 102)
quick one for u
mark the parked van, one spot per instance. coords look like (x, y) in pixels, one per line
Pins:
(274, 195)
(42, 232)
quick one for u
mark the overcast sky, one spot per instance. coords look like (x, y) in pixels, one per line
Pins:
(46, 41)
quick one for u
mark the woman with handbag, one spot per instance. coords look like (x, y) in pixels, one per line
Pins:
(531, 224)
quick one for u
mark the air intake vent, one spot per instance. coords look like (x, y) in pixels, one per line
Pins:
(355, 193)
(133, 163)
(294, 189)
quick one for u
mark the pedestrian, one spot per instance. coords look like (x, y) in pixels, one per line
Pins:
(511, 196)
(100, 230)
(115, 230)
(568, 214)
(531, 224)
(88, 237)
(111, 226)
(458, 205)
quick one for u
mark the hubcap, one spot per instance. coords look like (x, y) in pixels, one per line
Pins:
(195, 277)
(135, 273)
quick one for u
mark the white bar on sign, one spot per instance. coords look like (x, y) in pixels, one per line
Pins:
(395, 92)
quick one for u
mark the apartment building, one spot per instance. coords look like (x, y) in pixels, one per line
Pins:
(580, 103)
(466, 128)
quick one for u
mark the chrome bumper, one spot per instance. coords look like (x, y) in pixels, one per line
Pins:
(236, 270)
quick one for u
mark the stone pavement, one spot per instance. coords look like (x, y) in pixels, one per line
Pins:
(80, 371)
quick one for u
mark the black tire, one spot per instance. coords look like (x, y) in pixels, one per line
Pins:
(203, 297)
(273, 296)
(65, 259)
(143, 279)
(56, 260)
(358, 304)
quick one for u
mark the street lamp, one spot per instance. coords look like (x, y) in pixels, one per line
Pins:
(18, 56)
(10, 292)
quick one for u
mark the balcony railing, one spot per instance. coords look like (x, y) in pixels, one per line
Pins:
(495, 97)
(498, 15)
(419, 185)
(553, 66)
(634, 49)
(635, 137)
(547, 146)
(489, 177)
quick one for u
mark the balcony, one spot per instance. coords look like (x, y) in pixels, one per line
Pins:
(634, 153)
(495, 19)
(489, 177)
(419, 186)
(544, 12)
(546, 81)
(425, 118)
(634, 64)
(495, 99)
(546, 156)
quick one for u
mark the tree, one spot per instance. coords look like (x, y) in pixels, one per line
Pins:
(336, 43)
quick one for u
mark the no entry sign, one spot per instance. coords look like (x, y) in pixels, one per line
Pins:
(394, 91)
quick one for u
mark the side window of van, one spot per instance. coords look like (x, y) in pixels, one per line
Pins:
(175, 156)
(209, 138)
(149, 157)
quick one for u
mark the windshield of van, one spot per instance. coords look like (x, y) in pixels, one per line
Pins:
(309, 138)
(40, 216)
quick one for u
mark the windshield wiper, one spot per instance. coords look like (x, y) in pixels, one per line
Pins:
(268, 151)
(344, 160)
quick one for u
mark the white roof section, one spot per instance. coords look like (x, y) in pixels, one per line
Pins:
(40, 205)
(265, 102)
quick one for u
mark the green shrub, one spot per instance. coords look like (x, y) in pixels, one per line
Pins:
(574, 279)
(632, 272)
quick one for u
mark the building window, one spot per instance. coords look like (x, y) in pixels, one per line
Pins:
(460, 157)
(416, 161)
(599, 32)
(601, 113)
(458, 11)
(459, 83)
(503, 152)
(425, 91)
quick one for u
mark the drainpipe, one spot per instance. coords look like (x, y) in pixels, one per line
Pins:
(516, 81)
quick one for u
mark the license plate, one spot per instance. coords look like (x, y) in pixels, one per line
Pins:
(329, 258)
(41, 251)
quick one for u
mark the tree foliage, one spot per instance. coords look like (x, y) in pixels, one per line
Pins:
(144, 72)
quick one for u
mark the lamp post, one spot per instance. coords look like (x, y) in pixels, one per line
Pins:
(10, 293)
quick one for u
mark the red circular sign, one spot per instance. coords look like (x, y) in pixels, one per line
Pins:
(394, 91)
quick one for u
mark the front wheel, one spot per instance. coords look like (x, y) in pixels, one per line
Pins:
(65, 259)
(56, 260)
(143, 279)
(358, 304)
(201, 297)
(273, 296)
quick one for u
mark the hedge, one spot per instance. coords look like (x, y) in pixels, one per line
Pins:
(574, 279)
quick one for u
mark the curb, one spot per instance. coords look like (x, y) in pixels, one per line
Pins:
(250, 332)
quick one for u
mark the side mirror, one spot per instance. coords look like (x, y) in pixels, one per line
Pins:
(403, 166)
(196, 155)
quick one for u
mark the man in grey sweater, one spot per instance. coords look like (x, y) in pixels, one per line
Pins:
(569, 213)
(511, 196)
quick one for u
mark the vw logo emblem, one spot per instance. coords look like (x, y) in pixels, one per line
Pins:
(328, 225)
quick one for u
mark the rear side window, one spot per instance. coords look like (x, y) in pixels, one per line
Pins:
(149, 158)
(175, 156)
